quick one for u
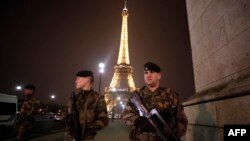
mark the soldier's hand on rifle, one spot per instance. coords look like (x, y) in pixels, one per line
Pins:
(143, 124)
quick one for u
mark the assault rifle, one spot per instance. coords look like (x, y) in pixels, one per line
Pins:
(73, 118)
(155, 119)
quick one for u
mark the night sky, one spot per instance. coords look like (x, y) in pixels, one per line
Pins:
(46, 42)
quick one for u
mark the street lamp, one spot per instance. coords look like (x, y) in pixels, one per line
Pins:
(122, 105)
(118, 98)
(18, 88)
(101, 70)
(113, 100)
(52, 96)
(52, 104)
(19, 96)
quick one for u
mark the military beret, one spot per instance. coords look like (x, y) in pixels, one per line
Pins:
(30, 87)
(85, 73)
(149, 66)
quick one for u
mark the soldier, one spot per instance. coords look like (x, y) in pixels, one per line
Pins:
(154, 96)
(28, 110)
(92, 117)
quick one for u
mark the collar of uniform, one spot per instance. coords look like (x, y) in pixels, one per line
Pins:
(147, 90)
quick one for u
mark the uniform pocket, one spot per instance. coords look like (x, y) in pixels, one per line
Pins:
(90, 115)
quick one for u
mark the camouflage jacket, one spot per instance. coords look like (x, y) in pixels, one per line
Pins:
(29, 107)
(162, 99)
(96, 114)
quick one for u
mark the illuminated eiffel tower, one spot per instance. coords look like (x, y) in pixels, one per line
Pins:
(123, 67)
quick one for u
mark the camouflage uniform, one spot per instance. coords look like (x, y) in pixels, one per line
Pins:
(161, 99)
(27, 113)
(96, 115)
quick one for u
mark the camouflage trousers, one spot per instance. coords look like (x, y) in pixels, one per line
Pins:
(23, 131)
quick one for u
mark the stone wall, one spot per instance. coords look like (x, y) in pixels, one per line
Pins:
(220, 41)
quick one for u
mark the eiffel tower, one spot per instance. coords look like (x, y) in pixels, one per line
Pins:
(123, 67)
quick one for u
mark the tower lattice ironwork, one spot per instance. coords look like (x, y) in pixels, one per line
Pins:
(122, 68)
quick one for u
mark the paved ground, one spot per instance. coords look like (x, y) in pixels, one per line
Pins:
(116, 131)
(51, 137)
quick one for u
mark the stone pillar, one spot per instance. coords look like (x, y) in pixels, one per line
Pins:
(220, 41)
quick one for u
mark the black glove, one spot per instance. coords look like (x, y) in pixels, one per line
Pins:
(143, 124)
